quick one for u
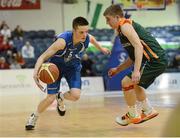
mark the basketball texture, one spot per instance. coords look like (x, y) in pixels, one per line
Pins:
(48, 73)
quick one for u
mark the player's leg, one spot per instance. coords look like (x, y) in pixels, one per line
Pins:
(41, 107)
(52, 89)
(150, 71)
(44, 104)
(148, 111)
(72, 95)
(147, 78)
(132, 116)
(73, 78)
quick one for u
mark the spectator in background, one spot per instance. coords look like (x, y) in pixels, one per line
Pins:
(5, 45)
(87, 66)
(18, 33)
(15, 64)
(9, 55)
(1, 38)
(20, 60)
(3, 63)
(6, 32)
(176, 61)
(13, 47)
(28, 50)
(2, 24)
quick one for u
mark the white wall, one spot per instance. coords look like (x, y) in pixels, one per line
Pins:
(170, 16)
(50, 15)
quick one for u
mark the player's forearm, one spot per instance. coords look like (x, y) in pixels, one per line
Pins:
(125, 65)
(38, 64)
(138, 58)
(98, 46)
(95, 43)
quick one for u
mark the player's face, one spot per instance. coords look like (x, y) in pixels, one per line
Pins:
(112, 21)
(81, 33)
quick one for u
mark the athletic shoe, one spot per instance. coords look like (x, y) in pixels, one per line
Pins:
(60, 104)
(128, 119)
(31, 122)
(147, 115)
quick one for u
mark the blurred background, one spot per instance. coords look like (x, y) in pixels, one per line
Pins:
(29, 27)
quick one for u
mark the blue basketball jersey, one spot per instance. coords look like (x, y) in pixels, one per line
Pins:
(71, 54)
(68, 62)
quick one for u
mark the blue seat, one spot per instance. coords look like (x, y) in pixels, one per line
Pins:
(30, 62)
(41, 34)
(18, 44)
(50, 33)
(33, 34)
(38, 40)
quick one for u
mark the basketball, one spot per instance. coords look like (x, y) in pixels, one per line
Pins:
(48, 73)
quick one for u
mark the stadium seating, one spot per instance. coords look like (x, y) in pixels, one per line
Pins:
(42, 39)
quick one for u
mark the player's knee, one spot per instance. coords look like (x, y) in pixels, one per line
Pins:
(127, 84)
(75, 93)
(126, 81)
(128, 88)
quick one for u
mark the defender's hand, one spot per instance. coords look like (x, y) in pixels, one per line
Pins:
(112, 72)
(136, 77)
(105, 51)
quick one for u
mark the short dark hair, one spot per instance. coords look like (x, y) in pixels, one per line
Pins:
(79, 21)
(114, 9)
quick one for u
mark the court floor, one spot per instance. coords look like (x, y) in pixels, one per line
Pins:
(91, 116)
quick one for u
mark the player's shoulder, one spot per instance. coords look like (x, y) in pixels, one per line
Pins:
(125, 21)
(65, 34)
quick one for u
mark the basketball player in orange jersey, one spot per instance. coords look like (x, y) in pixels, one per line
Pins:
(66, 52)
(147, 58)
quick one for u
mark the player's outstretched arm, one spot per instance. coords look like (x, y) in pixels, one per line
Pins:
(98, 46)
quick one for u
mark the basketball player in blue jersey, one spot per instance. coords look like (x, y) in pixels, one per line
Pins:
(66, 53)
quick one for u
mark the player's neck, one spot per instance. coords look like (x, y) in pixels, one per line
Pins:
(75, 40)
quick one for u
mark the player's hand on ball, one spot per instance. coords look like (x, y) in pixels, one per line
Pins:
(112, 72)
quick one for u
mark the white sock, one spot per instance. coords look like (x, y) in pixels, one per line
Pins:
(146, 106)
(36, 113)
(133, 111)
(62, 95)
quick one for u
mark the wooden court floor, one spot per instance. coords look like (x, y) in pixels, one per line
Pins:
(92, 116)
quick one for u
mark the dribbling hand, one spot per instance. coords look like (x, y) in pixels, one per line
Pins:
(36, 79)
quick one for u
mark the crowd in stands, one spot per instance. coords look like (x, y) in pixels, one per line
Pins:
(10, 58)
(20, 48)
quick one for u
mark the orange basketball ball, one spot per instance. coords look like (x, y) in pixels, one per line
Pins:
(48, 73)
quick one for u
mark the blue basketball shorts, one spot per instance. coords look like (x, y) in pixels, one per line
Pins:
(72, 75)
